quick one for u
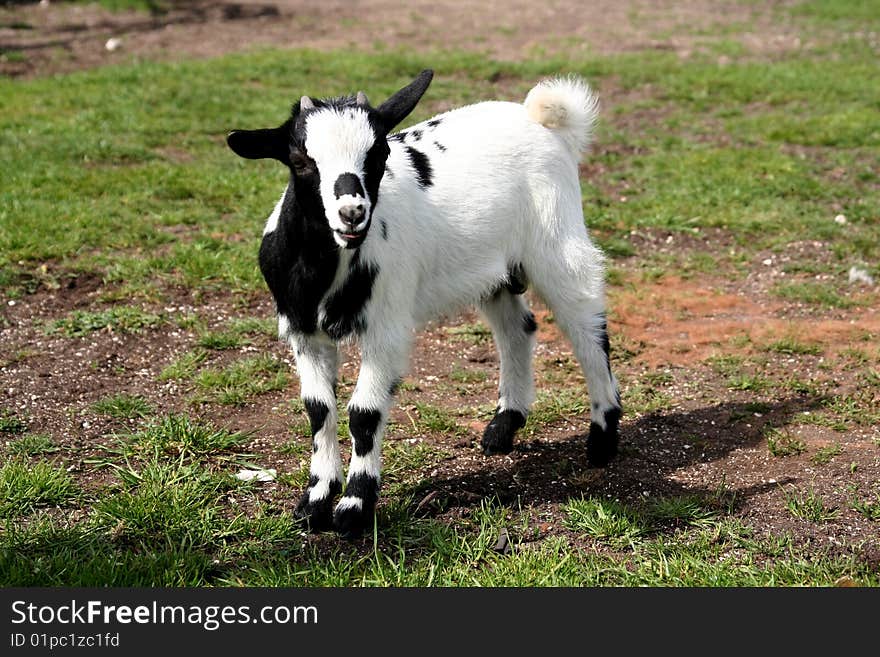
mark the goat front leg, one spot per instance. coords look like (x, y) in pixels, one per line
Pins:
(316, 363)
(383, 361)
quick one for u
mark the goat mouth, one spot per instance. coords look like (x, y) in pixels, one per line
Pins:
(352, 239)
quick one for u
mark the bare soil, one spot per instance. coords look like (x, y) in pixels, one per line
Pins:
(707, 439)
(53, 38)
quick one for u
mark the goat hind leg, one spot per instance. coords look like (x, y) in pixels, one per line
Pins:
(575, 292)
(513, 327)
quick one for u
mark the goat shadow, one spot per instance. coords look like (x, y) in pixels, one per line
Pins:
(653, 449)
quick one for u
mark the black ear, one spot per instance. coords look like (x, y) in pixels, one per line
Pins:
(397, 108)
(266, 143)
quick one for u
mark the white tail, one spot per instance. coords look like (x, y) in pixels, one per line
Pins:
(567, 106)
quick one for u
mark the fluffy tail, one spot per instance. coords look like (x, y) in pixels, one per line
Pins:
(567, 106)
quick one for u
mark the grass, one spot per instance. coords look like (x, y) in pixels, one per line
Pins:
(32, 444)
(807, 505)
(25, 486)
(10, 423)
(793, 347)
(604, 520)
(476, 333)
(184, 367)
(119, 319)
(123, 406)
(178, 435)
(869, 509)
(433, 419)
(825, 454)
(752, 148)
(242, 379)
(819, 294)
(783, 444)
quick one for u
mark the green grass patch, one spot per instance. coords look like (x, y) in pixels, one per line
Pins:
(25, 486)
(462, 375)
(242, 379)
(808, 505)
(433, 419)
(184, 367)
(167, 505)
(604, 520)
(179, 435)
(783, 444)
(816, 294)
(870, 509)
(793, 347)
(32, 444)
(476, 333)
(685, 509)
(11, 423)
(123, 406)
(220, 340)
(119, 319)
(825, 454)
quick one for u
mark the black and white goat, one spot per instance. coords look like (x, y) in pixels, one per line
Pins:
(378, 233)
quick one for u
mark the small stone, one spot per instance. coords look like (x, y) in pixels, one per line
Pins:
(113, 44)
(840, 219)
(767, 262)
(502, 545)
(858, 275)
(257, 475)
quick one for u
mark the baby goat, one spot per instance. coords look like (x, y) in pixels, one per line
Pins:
(378, 233)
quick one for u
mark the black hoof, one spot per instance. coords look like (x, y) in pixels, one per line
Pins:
(498, 436)
(317, 514)
(602, 443)
(351, 521)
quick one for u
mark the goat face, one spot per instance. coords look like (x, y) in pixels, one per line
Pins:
(336, 151)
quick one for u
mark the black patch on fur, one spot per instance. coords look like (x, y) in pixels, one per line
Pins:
(422, 166)
(299, 258)
(433, 123)
(517, 281)
(606, 345)
(498, 436)
(400, 136)
(363, 486)
(384, 227)
(351, 522)
(440, 147)
(602, 443)
(363, 424)
(348, 183)
(317, 411)
(529, 323)
(343, 310)
(416, 135)
(318, 514)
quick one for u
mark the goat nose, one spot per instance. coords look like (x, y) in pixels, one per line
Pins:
(351, 215)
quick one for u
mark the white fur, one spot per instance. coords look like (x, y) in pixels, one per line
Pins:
(338, 141)
(272, 221)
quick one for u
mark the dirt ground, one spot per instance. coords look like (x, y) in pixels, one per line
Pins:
(64, 38)
(707, 439)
